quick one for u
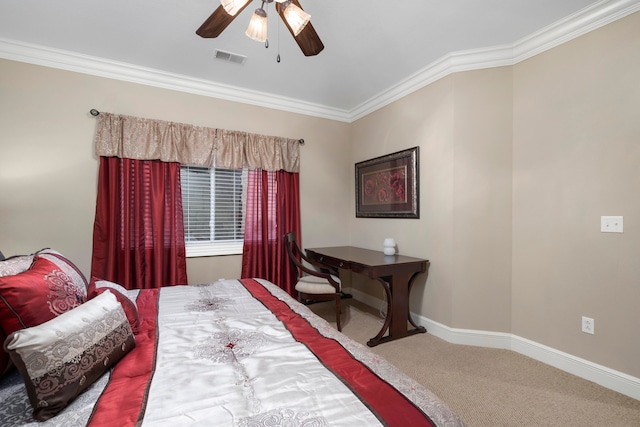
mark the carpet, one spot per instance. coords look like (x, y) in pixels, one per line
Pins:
(490, 387)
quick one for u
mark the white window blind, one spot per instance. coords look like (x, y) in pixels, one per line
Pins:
(213, 203)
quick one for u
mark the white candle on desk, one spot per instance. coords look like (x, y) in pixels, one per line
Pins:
(389, 246)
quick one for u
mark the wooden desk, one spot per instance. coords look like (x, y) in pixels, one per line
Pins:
(396, 273)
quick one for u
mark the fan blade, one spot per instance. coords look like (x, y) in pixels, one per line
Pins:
(307, 39)
(217, 22)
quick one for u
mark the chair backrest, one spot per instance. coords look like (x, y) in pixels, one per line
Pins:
(298, 258)
(294, 253)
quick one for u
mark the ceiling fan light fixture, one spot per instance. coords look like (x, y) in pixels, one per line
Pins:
(257, 29)
(295, 17)
(233, 6)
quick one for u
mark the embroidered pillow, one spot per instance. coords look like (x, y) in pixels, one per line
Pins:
(67, 267)
(15, 265)
(97, 286)
(60, 358)
(36, 295)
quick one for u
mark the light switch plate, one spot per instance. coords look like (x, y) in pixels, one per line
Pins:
(611, 224)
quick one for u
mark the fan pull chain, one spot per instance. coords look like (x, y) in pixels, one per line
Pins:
(266, 42)
(278, 57)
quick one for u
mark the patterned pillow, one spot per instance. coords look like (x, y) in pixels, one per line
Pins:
(67, 268)
(59, 359)
(36, 295)
(15, 265)
(97, 286)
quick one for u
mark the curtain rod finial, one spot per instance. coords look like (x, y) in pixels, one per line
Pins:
(94, 112)
(301, 141)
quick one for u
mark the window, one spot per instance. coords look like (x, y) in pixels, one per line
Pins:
(213, 204)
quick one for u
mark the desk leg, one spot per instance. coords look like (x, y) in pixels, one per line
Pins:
(397, 290)
(387, 319)
(418, 329)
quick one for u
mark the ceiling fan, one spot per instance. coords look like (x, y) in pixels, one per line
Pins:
(295, 19)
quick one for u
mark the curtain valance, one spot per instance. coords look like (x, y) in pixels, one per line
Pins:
(147, 139)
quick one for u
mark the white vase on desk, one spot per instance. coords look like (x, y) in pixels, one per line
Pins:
(389, 246)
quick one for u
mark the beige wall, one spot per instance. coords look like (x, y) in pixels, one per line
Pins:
(482, 200)
(423, 119)
(576, 157)
(48, 171)
(517, 166)
(462, 125)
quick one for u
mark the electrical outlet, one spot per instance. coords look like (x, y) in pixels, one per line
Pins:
(588, 325)
(611, 224)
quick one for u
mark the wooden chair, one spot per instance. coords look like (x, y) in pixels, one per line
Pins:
(320, 284)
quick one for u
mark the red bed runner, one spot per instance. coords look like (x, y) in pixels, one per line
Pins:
(124, 397)
(389, 405)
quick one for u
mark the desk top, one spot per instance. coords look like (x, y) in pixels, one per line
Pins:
(364, 256)
(396, 273)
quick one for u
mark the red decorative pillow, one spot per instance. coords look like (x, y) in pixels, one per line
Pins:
(36, 296)
(98, 286)
(67, 267)
(9, 267)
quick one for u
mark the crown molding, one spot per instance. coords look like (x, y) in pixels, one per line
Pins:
(582, 22)
(71, 61)
(588, 19)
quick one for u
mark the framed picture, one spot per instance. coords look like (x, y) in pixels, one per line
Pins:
(387, 186)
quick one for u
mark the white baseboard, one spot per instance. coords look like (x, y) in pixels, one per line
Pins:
(606, 377)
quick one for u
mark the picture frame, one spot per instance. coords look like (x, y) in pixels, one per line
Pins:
(387, 186)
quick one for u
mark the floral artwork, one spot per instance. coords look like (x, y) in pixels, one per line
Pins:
(387, 186)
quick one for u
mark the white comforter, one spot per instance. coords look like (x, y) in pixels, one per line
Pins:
(223, 359)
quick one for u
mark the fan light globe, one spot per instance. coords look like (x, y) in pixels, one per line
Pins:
(233, 6)
(296, 17)
(257, 29)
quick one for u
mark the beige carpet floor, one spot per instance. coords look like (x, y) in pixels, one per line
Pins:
(491, 387)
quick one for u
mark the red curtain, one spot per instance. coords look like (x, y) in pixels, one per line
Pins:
(138, 233)
(272, 210)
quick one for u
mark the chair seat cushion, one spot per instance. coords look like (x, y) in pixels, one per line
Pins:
(315, 285)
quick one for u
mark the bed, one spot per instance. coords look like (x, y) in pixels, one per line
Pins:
(227, 353)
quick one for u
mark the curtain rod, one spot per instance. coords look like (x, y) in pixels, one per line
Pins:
(96, 113)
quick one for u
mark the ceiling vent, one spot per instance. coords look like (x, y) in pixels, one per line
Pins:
(229, 57)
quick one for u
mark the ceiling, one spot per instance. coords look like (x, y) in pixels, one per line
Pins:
(375, 51)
